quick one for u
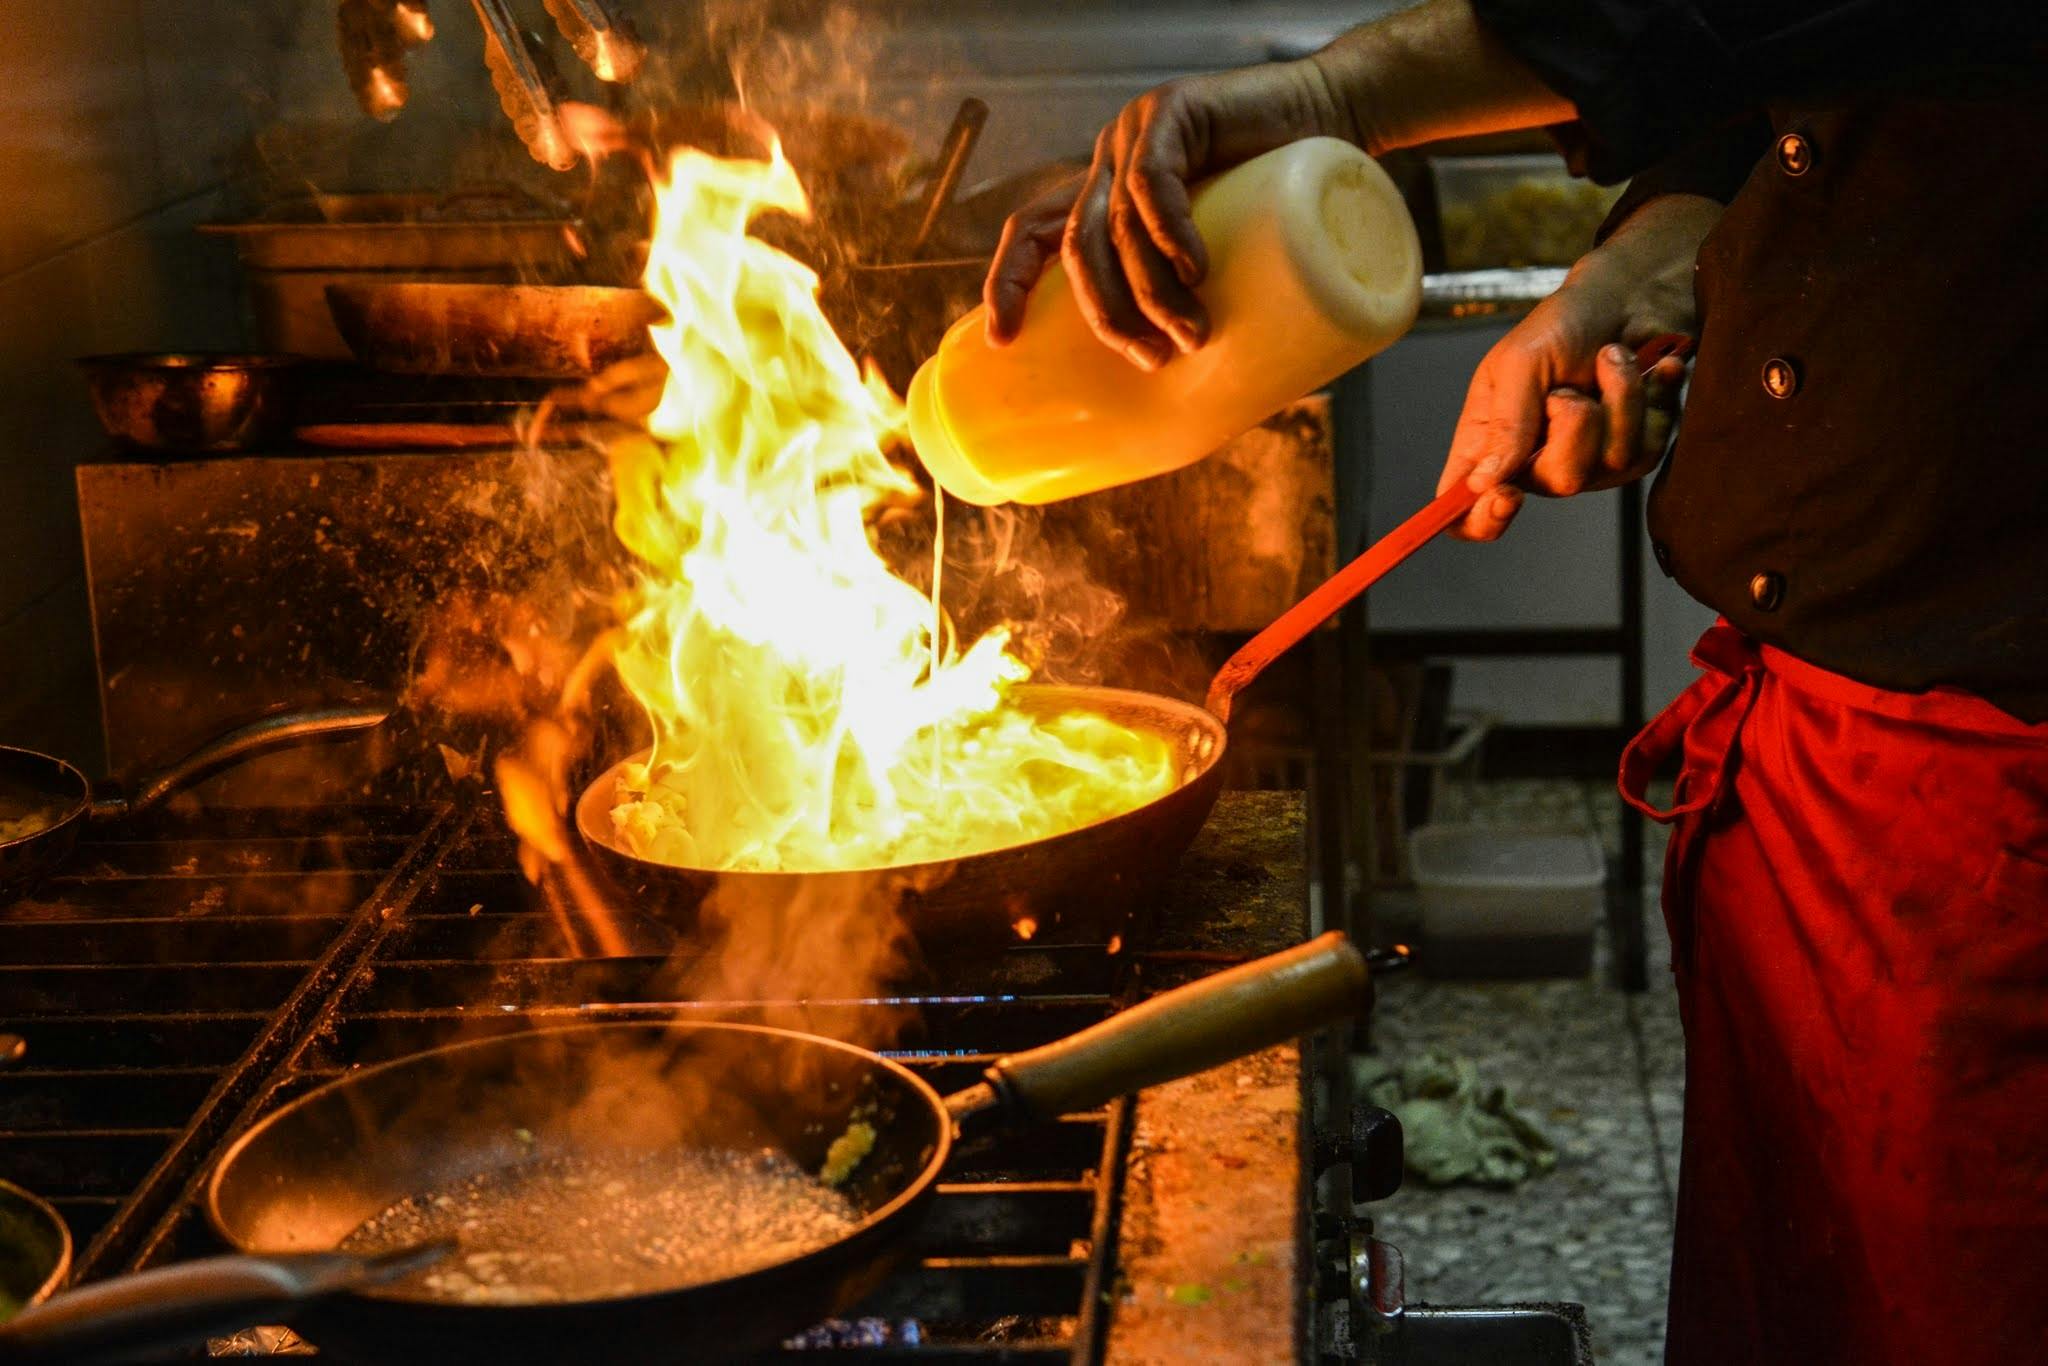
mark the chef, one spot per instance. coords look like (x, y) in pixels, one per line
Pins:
(1845, 201)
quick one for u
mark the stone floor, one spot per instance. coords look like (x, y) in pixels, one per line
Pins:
(1599, 1070)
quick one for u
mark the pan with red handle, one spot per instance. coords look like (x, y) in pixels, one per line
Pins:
(1110, 862)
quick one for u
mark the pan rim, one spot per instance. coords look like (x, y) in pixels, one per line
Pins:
(893, 1209)
(74, 810)
(591, 829)
(60, 1269)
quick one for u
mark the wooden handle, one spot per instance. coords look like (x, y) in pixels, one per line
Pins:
(1191, 1029)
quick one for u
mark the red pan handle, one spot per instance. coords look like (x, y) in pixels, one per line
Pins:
(1447, 508)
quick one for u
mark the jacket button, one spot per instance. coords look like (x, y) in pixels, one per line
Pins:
(1795, 155)
(1662, 552)
(1767, 590)
(1781, 377)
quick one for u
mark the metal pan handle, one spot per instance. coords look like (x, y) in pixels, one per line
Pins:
(1445, 510)
(1184, 1031)
(286, 730)
(130, 1317)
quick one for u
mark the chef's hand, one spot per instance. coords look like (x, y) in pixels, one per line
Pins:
(1560, 405)
(1123, 228)
(1124, 231)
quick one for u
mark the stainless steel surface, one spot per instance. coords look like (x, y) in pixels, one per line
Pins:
(483, 228)
(1517, 1335)
(189, 402)
(1488, 293)
(523, 88)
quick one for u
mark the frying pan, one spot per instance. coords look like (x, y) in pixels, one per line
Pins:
(1103, 864)
(35, 782)
(298, 1182)
(426, 327)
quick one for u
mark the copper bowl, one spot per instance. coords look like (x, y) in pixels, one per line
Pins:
(189, 402)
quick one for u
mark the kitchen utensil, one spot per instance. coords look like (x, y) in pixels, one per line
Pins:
(524, 91)
(965, 131)
(186, 1304)
(189, 402)
(604, 40)
(35, 1250)
(375, 35)
(527, 331)
(1107, 863)
(62, 802)
(312, 1172)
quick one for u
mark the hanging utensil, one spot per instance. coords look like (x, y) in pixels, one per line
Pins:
(375, 36)
(523, 89)
(961, 136)
(605, 41)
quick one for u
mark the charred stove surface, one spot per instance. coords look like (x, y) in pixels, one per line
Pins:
(180, 980)
(1211, 1256)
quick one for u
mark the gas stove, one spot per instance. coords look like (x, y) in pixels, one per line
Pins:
(188, 972)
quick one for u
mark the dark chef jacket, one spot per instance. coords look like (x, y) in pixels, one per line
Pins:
(1861, 477)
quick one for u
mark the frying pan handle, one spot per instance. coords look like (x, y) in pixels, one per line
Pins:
(1294, 625)
(286, 730)
(1188, 1030)
(147, 1314)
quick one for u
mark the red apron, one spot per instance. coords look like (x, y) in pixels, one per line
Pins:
(1857, 892)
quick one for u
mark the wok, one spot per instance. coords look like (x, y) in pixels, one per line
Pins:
(42, 784)
(301, 1180)
(1103, 864)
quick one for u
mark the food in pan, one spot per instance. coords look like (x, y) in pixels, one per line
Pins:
(810, 709)
(18, 823)
(597, 1227)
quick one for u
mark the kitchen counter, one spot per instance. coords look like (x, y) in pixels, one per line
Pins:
(1212, 1246)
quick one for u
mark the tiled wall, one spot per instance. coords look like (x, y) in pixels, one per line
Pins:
(122, 124)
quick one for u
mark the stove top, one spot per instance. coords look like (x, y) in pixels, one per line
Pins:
(185, 974)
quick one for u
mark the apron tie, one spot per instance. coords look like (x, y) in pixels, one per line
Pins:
(1701, 724)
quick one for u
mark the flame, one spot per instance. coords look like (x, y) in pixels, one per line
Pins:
(809, 711)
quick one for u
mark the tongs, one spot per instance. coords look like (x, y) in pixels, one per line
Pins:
(375, 35)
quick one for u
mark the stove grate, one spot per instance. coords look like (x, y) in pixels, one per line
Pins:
(178, 983)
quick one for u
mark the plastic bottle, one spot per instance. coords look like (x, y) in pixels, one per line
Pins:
(1313, 267)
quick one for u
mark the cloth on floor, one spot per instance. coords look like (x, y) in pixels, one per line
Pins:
(1454, 1129)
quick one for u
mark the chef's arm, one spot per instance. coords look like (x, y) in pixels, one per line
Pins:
(1124, 230)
